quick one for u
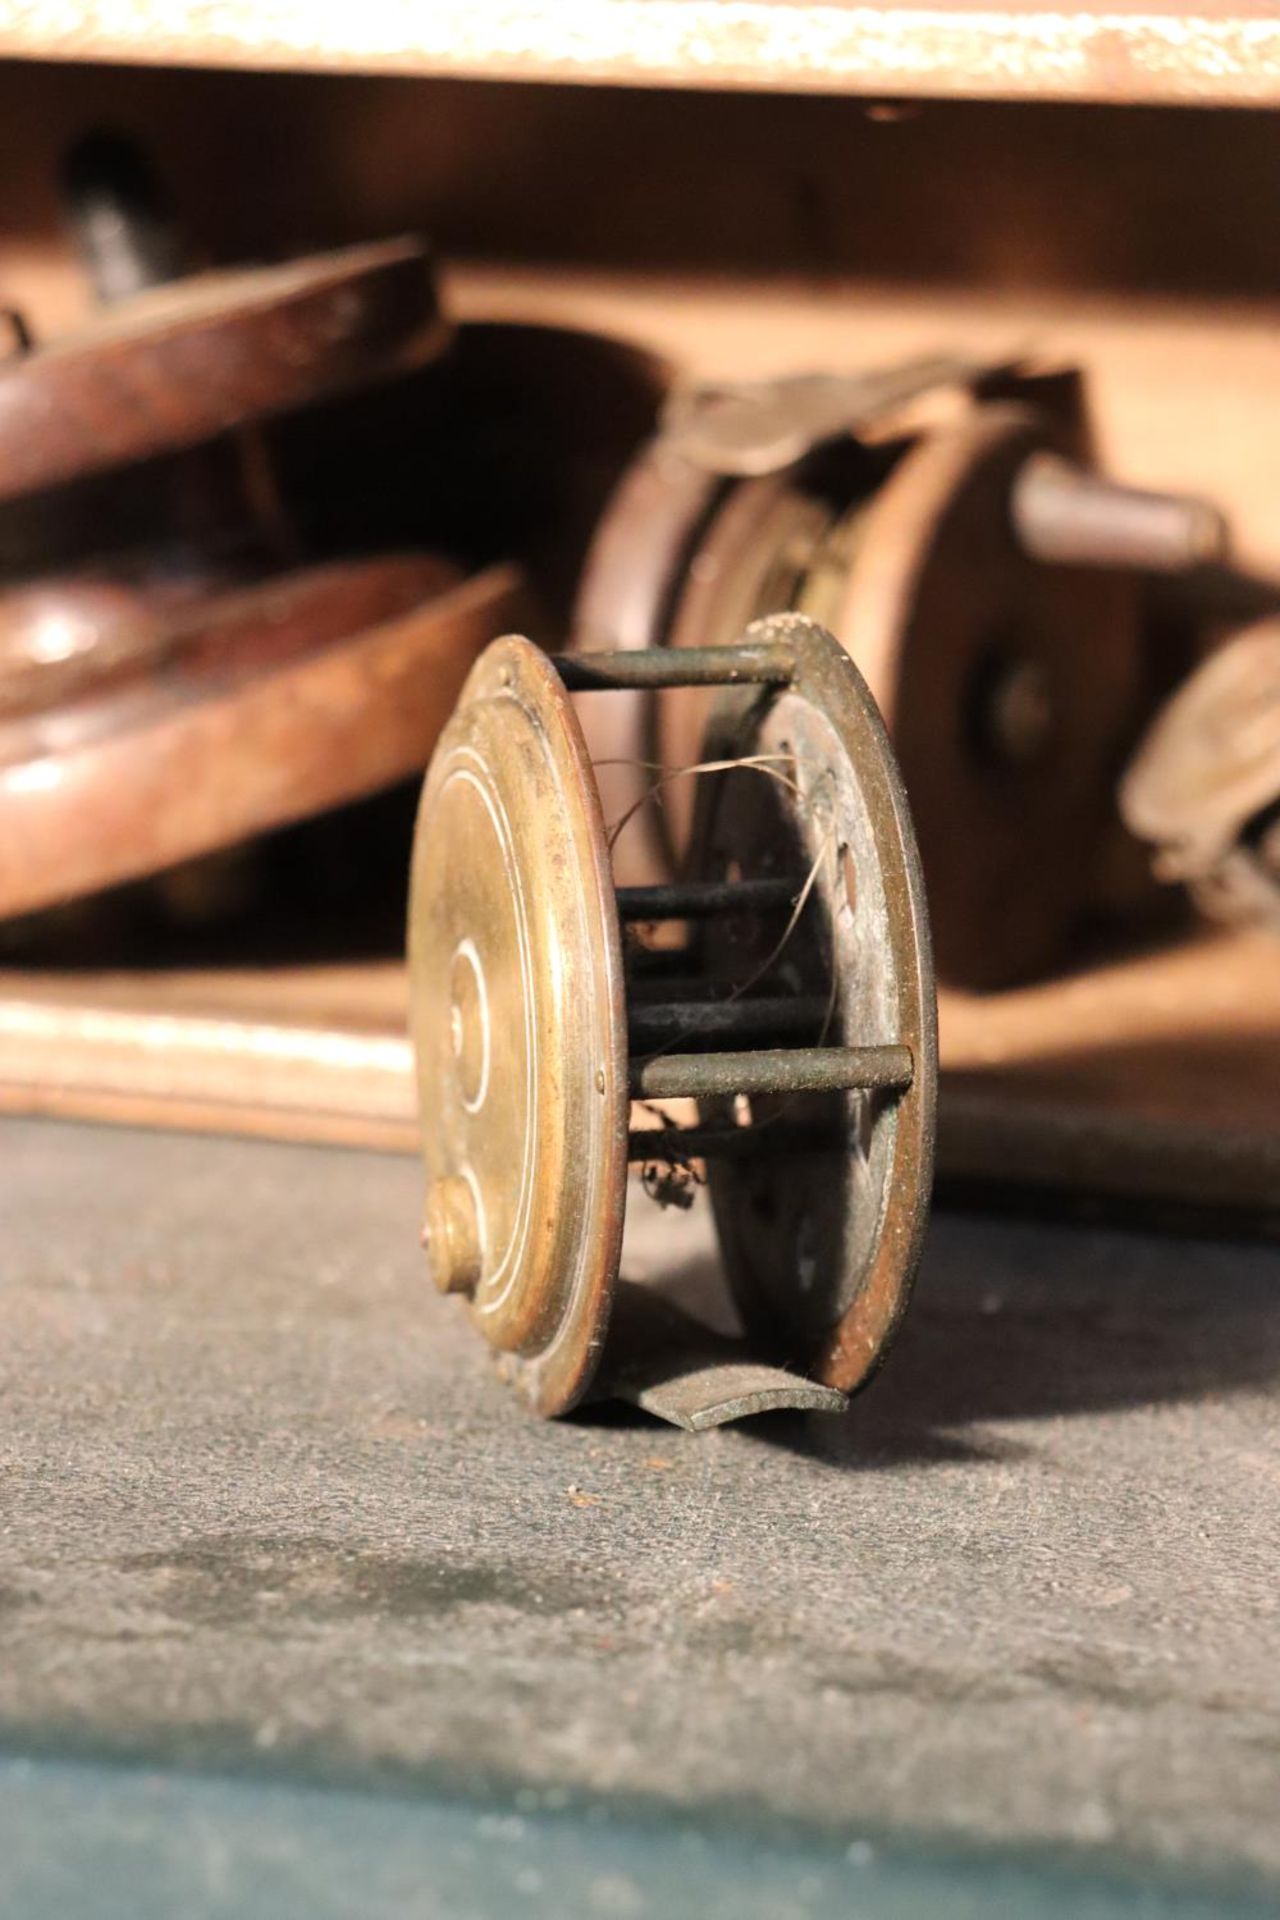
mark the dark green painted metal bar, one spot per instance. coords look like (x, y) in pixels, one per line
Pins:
(696, 1076)
(719, 1023)
(701, 899)
(747, 665)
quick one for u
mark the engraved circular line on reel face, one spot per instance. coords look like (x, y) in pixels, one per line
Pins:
(469, 1024)
(465, 771)
(499, 1282)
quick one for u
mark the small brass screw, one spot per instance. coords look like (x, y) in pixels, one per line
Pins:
(451, 1235)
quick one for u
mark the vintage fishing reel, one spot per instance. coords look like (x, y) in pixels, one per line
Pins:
(944, 520)
(177, 674)
(1204, 786)
(797, 1014)
(174, 358)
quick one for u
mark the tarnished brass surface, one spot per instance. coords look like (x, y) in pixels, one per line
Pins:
(518, 1024)
(1204, 787)
(177, 365)
(807, 998)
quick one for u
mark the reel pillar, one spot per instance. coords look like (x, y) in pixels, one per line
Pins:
(797, 1014)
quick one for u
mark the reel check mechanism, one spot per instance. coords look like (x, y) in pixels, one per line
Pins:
(797, 1013)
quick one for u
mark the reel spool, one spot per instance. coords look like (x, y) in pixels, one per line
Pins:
(798, 1015)
(984, 580)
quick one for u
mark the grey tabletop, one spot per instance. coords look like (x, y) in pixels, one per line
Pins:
(271, 1528)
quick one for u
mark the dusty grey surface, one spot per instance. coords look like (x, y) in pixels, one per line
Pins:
(260, 1496)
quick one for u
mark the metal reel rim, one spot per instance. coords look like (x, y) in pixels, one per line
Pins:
(855, 1345)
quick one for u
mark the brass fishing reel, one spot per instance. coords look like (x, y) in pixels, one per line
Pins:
(796, 1014)
(945, 520)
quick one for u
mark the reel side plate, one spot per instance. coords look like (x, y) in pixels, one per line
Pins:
(519, 1026)
(1011, 690)
(821, 1246)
